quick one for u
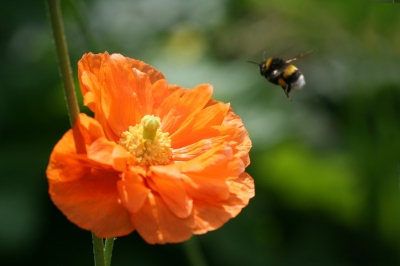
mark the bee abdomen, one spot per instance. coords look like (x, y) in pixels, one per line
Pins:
(299, 83)
(293, 77)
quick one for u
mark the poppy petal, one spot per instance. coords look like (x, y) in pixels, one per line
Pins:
(188, 105)
(119, 99)
(93, 63)
(216, 135)
(88, 80)
(208, 183)
(66, 162)
(129, 63)
(208, 217)
(243, 188)
(160, 93)
(208, 159)
(244, 146)
(166, 180)
(101, 150)
(169, 103)
(212, 216)
(205, 188)
(132, 191)
(156, 223)
(203, 120)
(115, 82)
(94, 205)
(192, 150)
(121, 158)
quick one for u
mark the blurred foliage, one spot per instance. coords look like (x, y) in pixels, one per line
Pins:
(326, 165)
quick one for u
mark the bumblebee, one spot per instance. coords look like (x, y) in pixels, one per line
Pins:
(282, 73)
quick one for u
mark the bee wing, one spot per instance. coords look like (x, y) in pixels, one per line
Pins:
(299, 56)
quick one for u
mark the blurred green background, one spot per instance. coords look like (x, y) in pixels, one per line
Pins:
(326, 165)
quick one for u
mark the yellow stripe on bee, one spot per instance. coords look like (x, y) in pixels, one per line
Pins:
(268, 62)
(289, 71)
(282, 82)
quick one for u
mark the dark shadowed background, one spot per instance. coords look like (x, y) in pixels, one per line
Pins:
(326, 165)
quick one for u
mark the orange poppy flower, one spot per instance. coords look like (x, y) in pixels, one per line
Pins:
(165, 161)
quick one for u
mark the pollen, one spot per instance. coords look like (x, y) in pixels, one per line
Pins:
(147, 151)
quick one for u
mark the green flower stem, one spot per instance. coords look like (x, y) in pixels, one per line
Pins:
(54, 11)
(98, 251)
(108, 251)
(194, 252)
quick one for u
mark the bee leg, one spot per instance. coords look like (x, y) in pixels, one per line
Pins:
(286, 89)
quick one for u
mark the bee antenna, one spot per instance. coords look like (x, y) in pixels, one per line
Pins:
(253, 62)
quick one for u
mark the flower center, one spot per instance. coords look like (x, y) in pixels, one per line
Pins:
(147, 143)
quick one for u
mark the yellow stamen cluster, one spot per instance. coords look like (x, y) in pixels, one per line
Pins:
(154, 151)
